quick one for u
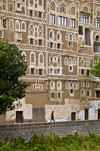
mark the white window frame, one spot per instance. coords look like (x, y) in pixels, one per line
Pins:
(71, 70)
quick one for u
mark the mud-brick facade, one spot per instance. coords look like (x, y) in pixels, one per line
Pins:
(61, 43)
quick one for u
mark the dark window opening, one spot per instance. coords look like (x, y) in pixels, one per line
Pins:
(40, 42)
(40, 71)
(82, 71)
(88, 72)
(58, 46)
(97, 94)
(32, 71)
(58, 95)
(31, 41)
(31, 13)
(87, 93)
(71, 90)
(51, 44)
(80, 30)
(97, 38)
(40, 14)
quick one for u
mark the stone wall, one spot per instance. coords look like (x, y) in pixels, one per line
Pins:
(58, 128)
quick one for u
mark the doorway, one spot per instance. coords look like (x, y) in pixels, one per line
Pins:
(73, 116)
(86, 114)
(19, 116)
(98, 114)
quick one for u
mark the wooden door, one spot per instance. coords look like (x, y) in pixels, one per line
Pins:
(86, 114)
(19, 117)
(98, 114)
(73, 116)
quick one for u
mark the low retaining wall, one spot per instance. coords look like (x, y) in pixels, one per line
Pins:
(58, 128)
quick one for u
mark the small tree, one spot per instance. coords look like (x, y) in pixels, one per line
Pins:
(12, 67)
(96, 70)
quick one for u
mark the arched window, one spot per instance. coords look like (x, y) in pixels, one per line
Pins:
(24, 54)
(67, 36)
(4, 23)
(52, 6)
(17, 25)
(70, 61)
(11, 25)
(97, 38)
(51, 34)
(74, 61)
(71, 37)
(32, 58)
(41, 58)
(74, 37)
(98, 13)
(23, 25)
(66, 61)
(85, 9)
(66, 85)
(73, 11)
(58, 36)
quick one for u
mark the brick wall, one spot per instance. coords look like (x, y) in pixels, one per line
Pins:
(58, 128)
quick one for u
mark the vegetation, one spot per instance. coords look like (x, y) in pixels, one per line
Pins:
(96, 70)
(53, 142)
(12, 67)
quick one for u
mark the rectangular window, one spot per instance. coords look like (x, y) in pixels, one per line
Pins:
(40, 71)
(40, 42)
(80, 30)
(88, 72)
(58, 95)
(18, 5)
(85, 18)
(87, 93)
(72, 23)
(30, 13)
(98, 23)
(31, 2)
(70, 44)
(58, 71)
(82, 71)
(53, 95)
(40, 15)
(51, 71)
(58, 46)
(32, 71)
(71, 90)
(51, 44)
(31, 41)
(52, 19)
(62, 21)
(97, 94)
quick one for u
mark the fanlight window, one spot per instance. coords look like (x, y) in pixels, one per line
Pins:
(40, 2)
(62, 9)
(72, 10)
(52, 6)
(98, 13)
(85, 9)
